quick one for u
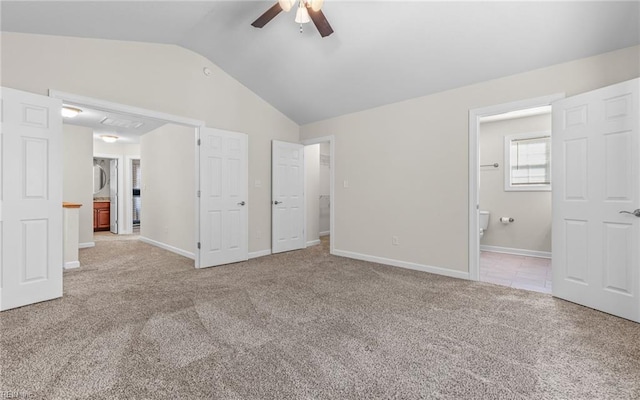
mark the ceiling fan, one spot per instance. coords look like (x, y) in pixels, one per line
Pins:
(308, 10)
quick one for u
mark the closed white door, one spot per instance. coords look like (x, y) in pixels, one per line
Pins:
(224, 229)
(31, 199)
(287, 227)
(596, 199)
(113, 196)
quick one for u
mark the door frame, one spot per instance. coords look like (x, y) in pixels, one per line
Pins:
(128, 192)
(121, 185)
(332, 171)
(474, 167)
(104, 105)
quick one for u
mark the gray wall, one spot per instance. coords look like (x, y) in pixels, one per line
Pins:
(118, 71)
(169, 186)
(531, 211)
(407, 163)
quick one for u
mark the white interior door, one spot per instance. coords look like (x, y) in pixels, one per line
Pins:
(287, 169)
(224, 229)
(596, 180)
(31, 199)
(113, 196)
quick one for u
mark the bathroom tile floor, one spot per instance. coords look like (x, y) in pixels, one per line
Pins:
(519, 272)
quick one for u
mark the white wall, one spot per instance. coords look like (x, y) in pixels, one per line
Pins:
(324, 223)
(168, 187)
(407, 163)
(160, 77)
(77, 176)
(531, 211)
(311, 191)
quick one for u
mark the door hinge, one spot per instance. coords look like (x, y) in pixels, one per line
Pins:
(199, 142)
(198, 245)
(198, 193)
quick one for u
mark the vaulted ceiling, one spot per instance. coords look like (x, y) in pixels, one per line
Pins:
(381, 52)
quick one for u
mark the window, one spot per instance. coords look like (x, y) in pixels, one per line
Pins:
(527, 162)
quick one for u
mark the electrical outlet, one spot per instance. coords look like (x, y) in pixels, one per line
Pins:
(258, 183)
(395, 240)
(345, 183)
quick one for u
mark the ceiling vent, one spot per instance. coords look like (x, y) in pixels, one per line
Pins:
(121, 123)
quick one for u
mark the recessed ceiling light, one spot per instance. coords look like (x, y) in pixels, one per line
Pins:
(109, 138)
(70, 112)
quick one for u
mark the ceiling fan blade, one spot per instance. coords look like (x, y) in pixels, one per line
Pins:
(267, 16)
(320, 21)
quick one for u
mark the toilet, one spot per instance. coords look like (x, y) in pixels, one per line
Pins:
(484, 221)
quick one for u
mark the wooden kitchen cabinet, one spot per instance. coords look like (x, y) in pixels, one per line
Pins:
(101, 217)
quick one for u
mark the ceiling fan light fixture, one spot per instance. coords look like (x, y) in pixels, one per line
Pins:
(302, 15)
(109, 138)
(286, 5)
(316, 5)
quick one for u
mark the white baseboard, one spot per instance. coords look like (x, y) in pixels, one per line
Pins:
(86, 245)
(71, 264)
(403, 264)
(313, 242)
(167, 247)
(517, 252)
(325, 233)
(259, 253)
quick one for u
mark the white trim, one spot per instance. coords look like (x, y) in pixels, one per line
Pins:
(313, 242)
(474, 168)
(71, 265)
(260, 253)
(517, 252)
(167, 247)
(325, 233)
(404, 264)
(196, 201)
(86, 245)
(332, 172)
(104, 105)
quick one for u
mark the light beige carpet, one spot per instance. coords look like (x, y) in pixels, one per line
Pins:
(137, 322)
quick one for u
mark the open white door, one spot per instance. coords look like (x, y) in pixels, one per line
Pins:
(596, 180)
(224, 229)
(113, 196)
(287, 169)
(31, 199)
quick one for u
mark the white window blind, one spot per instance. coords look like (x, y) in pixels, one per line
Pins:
(530, 161)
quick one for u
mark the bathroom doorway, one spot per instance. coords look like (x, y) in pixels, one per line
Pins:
(105, 193)
(510, 236)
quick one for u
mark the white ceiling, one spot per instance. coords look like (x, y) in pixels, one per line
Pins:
(381, 52)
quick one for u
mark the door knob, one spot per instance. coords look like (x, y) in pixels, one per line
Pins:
(635, 212)
(242, 203)
(277, 202)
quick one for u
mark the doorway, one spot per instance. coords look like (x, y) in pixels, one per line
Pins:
(136, 185)
(126, 151)
(105, 194)
(512, 264)
(515, 199)
(320, 203)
